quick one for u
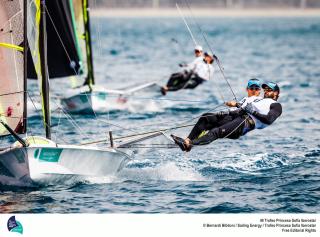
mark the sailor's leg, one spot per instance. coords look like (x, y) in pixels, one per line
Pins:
(174, 79)
(193, 83)
(232, 129)
(206, 122)
(178, 82)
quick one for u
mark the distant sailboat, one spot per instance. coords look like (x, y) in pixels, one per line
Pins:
(33, 159)
(70, 32)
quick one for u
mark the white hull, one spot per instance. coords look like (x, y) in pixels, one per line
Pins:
(98, 102)
(101, 100)
(41, 163)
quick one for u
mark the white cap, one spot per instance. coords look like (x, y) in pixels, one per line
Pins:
(198, 47)
(207, 54)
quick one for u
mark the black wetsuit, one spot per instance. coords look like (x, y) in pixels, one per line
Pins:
(231, 124)
(184, 80)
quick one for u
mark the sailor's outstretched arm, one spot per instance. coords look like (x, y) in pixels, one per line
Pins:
(274, 113)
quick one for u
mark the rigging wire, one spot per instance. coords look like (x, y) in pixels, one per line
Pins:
(12, 93)
(99, 43)
(185, 121)
(185, 22)
(137, 145)
(177, 126)
(207, 42)
(55, 130)
(122, 128)
(70, 119)
(85, 94)
(67, 115)
(64, 47)
(100, 48)
(67, 54)
(75, 125)
(148, 98)
(138, 134)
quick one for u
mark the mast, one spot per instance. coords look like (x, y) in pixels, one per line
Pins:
(86, 18)
(25, 66)
(44, 70)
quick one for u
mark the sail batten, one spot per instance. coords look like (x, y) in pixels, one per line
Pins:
(11, 46)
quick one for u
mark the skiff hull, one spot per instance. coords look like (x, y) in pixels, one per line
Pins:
(36, 164)
(94, 102)
(101, 100)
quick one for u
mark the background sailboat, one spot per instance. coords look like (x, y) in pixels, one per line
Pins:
(35, 159)
(70, 55)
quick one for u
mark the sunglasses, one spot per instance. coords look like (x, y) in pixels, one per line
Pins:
(254, 88)
(267, 89)
(197, 51)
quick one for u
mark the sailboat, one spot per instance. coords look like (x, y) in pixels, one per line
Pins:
(70, 33)
(34, 159)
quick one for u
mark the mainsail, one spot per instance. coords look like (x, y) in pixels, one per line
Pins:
(51, 32)
(77, 19)
(81, 16)
(63, 50)
(12, 85)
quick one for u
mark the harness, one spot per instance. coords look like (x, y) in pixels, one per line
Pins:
(249, 124)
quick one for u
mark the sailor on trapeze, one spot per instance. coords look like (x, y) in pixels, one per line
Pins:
(256, 114)
(195, 73)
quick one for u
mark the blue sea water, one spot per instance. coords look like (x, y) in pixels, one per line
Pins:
(275, 170)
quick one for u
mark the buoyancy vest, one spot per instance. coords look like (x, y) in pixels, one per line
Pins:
(247, 100)
(204, 71)
(261, 106)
